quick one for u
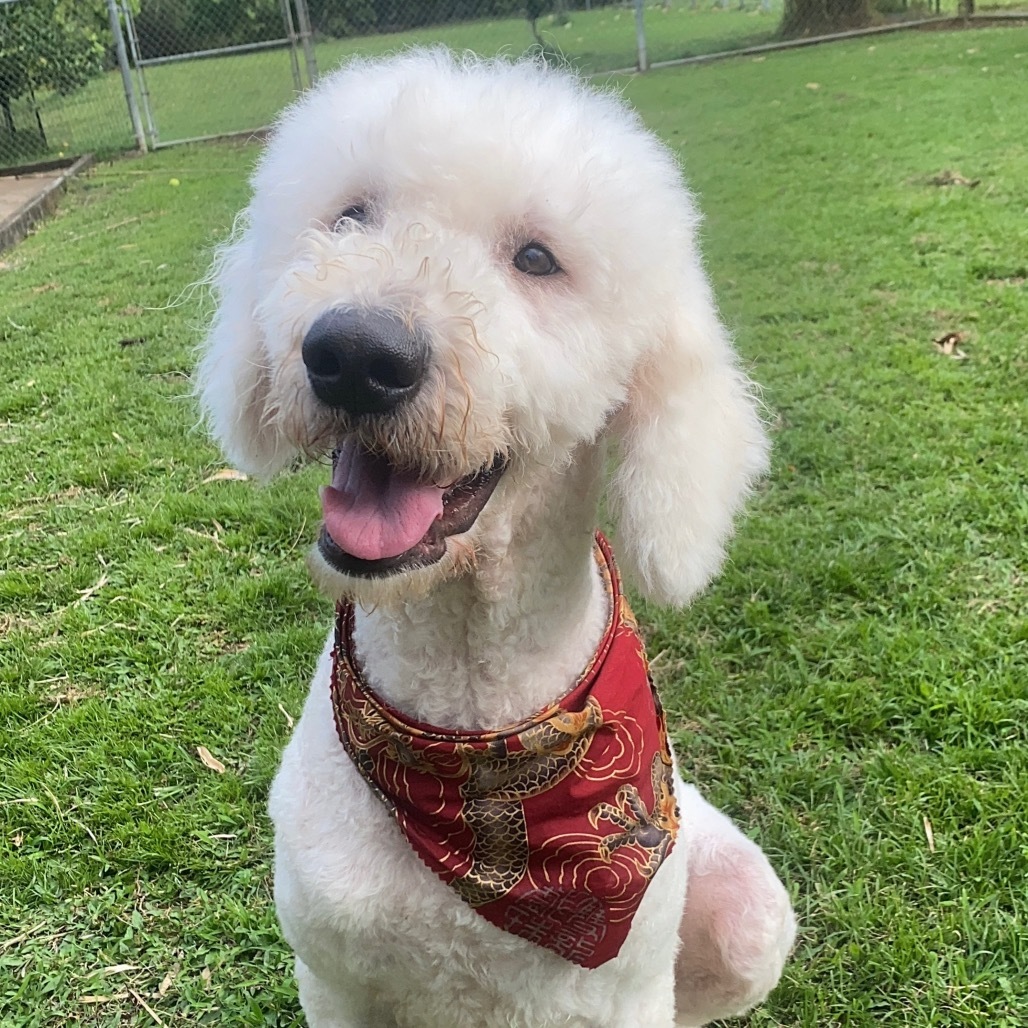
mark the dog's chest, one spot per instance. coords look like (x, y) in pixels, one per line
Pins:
(356, 903)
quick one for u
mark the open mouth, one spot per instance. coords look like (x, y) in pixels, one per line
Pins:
(379, 520)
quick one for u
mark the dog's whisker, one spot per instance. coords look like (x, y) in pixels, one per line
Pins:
(462, 431)
(422, 274)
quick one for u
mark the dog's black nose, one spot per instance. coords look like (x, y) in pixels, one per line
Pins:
(364, 361)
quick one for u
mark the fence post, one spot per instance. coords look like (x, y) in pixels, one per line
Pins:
(294, 62)
(126, 75)
(303, 19)
(642, 62)
(140, 78)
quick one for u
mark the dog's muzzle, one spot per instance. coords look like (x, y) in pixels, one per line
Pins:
(379, 520)
(364, 361)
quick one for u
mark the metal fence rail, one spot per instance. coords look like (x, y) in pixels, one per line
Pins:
(266, 59)
(107, 75)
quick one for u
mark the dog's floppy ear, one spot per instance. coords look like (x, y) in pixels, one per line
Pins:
(232, 378)
(692, 444)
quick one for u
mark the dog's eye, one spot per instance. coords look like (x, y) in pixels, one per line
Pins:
(535, 259)
(357, 212)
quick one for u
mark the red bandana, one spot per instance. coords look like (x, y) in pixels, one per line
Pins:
(550, 828)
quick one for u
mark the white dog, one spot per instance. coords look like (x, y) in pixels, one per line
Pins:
(463, 279)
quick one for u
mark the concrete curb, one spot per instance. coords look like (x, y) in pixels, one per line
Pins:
(15, 227)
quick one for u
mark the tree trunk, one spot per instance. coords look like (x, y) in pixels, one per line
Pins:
(534, 10)
(39, 119)
(818, 17)
(5, 105)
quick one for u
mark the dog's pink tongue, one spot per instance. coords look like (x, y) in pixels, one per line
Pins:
(371, 510)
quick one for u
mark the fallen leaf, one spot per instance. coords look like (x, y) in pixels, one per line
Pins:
(227, 475)
(72, 694)
(146, 1006)
(953, 178)
(210, 760)
(948, 345)
(85, 594)
(117, 969)
(8, 943)
(165, 983)
(929, 834)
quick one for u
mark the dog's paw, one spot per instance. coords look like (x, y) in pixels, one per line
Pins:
(737, 932)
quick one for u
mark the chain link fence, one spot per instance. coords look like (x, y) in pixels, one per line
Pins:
(58, 96)
(107, 75)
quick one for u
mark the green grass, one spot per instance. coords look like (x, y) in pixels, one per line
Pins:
(860, 667)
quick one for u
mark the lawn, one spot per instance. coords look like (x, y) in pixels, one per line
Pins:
(853, 690)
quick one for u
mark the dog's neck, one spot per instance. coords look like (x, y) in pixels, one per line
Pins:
(495, 646)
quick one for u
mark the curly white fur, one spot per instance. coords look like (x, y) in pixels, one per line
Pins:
(459, 164)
